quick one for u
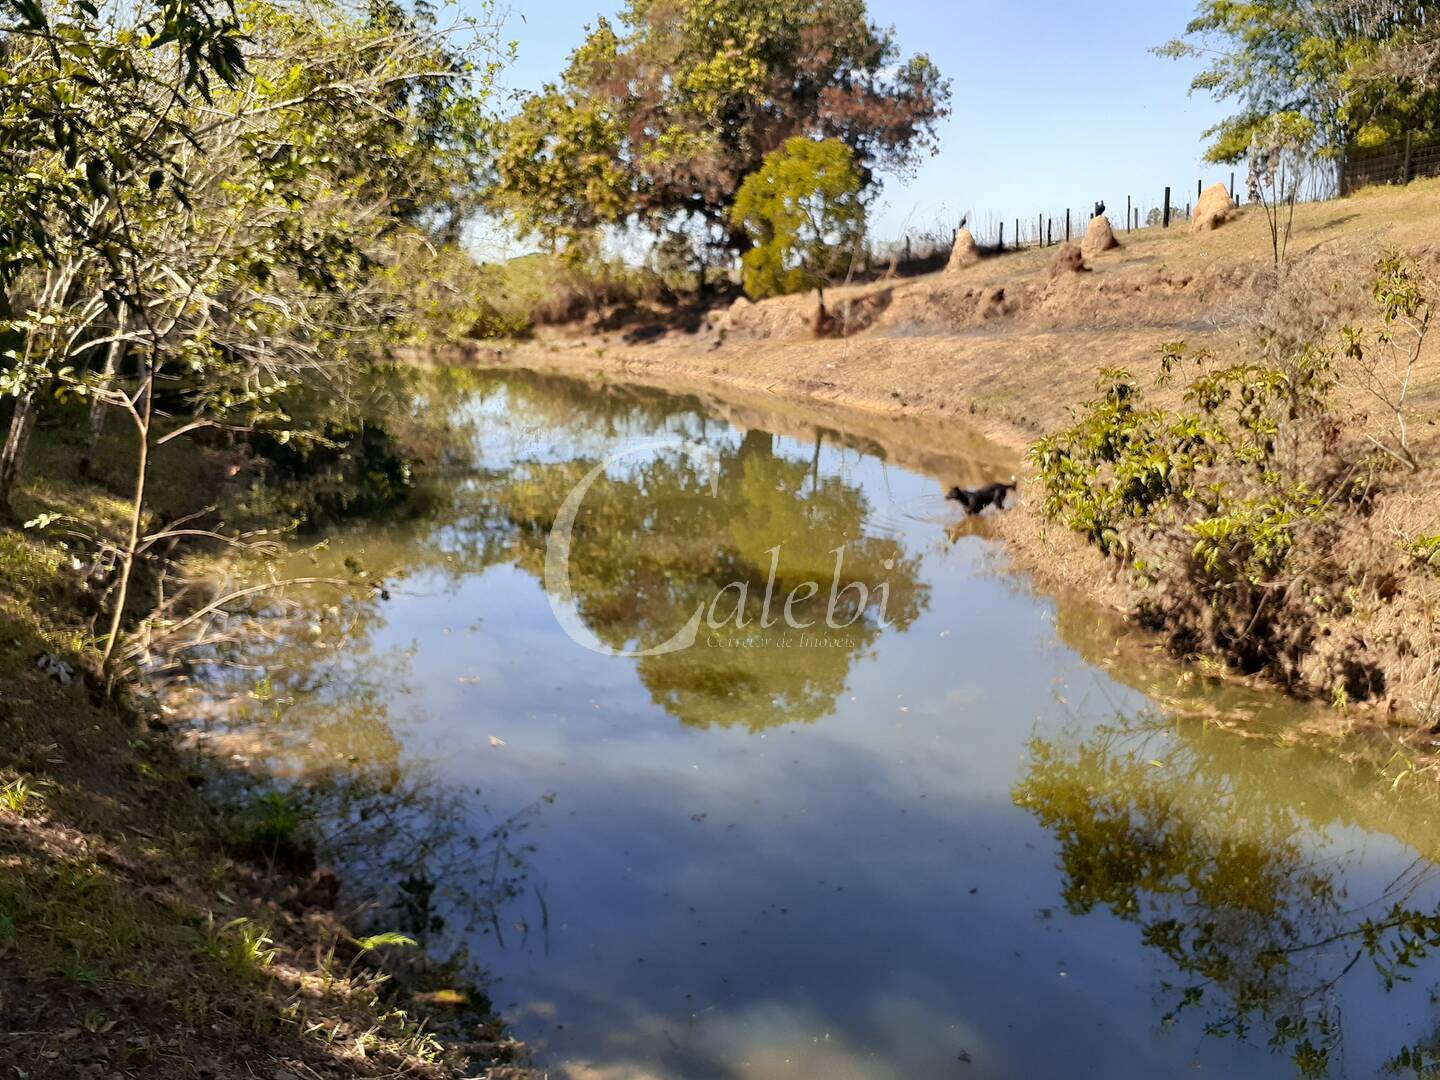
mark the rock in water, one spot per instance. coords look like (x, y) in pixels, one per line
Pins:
(964, 253)
(1098, 237)
(1213, 209)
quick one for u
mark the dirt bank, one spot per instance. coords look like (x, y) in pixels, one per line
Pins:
(1009, 347)
(151, 923)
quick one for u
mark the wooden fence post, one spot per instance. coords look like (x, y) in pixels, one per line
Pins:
(1067, 224)
(1127, 213)
(1165, 217)
(1409, 147)
(1002, 236)
(1232, 185)
(1050, 230)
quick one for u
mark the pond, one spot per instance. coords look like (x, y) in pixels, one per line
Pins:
(922, 821)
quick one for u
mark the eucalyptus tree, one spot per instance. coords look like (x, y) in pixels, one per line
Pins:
(1358, 71)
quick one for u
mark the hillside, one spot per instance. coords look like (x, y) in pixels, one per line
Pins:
(1011, 346)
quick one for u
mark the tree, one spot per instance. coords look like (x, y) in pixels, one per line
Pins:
(804, 215)
(226, 240)
(1323, 60)
(1281, 149)
(662, 117)
(1412, 53)
(90, 107)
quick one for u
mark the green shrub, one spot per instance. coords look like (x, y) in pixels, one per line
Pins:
(1226, 506)
(1426, 549)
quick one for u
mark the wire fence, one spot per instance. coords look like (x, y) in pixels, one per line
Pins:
(1396, 162)
(925, 249)
(919, 250)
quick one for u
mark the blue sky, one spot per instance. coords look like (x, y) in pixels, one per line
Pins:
(1055, 104)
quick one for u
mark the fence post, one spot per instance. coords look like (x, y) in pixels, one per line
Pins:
(1067, 224)
(1050, 230)
(1232, 185)
(1127, 213)
(1165, 217)
(1039, 230)
(1002, 236)
(1409, 146)
(1198, 189)
(1016, 242)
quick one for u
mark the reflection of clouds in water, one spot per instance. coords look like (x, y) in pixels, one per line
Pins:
(864, 875)
(783, 1041)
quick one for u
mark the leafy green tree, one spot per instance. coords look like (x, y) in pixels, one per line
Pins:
(93, 120)
(219, 224)
(663, 115)
(804, 215)
(1347, 66)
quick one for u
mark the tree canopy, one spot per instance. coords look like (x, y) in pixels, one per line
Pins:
(1361, 71)
(660, 117)
(803, 212)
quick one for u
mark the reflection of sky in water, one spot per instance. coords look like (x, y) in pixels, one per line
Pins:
(858, 896)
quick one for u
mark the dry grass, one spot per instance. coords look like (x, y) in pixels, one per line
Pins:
(947, 347)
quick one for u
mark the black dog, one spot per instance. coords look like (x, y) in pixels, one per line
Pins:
(977, 499)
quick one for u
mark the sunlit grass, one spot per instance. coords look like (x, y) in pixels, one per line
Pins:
(244, 949)
(18, 796)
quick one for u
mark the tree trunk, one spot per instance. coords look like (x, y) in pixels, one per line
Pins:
(12, 455)
(96, 425)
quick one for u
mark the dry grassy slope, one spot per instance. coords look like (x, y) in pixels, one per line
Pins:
(1008, 349)
(944, 345)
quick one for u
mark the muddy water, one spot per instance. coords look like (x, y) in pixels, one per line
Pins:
(951, 832)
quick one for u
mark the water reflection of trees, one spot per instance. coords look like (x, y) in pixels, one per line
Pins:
(308, 697)
(1223, 881)
(653, 543)
(314, 694)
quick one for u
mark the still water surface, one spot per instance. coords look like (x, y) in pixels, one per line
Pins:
(959, 837)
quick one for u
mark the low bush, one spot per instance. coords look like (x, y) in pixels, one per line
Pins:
(1241, 510)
